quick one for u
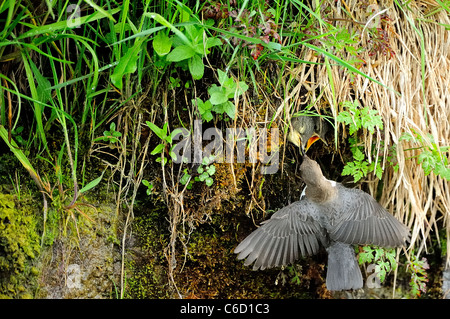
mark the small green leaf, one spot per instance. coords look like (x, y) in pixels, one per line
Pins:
(230, 87)
(185, 178)
(157, 149)
(209, 181)
(175, 132)
(427, 160)
(207, 116)
(200, 49)
(443, 171)
(348, 169)
(213, 41)
(91, 184)
(159, 160)
(379, 171)
(211, 170)
(127, 63)
(204, 108)
(218, 95)
(379, 254)
(205, 161)
(196, 67)
(230, 109)
(162, 43)
(194, 32)
(358, 154)
(222, 76)
(161, 133)
(366, 256)
(180, 53)
(173, 155)
(243, 87)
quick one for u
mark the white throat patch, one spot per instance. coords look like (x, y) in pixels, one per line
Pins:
(303, 193)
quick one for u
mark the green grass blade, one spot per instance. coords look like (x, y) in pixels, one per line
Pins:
(127, 63)
(100, 10)
(61, 25)
(91, 184)
(38, 110)
(167, 24)
(20, 156)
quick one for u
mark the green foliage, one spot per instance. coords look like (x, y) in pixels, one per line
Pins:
(360, 167)
(190, 43)
(16, 134)
(341, 40)
(383, 258)
(296, 272)
(219, 97)
(19, 243)
(162, 43)
(357, 119)
(112, 136)
(418, 268)
(186, 178)
(205, 109)
(174, 83)
(127, 64)
(205, 170)
(166, 141)
(432, 157)
(149, 186)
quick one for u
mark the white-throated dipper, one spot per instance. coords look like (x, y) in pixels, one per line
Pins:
(329, 214)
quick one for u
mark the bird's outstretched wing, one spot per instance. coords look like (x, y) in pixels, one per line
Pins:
(363, 221)
(289, 233)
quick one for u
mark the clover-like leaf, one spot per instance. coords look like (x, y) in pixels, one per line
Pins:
(209, 181)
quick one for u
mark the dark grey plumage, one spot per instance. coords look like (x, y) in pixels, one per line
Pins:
(343, 270)
(330, 214)
(290, 233)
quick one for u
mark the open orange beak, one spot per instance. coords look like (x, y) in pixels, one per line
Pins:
(311, 141)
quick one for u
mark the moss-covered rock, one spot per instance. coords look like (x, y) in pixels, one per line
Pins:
(80, 262)
(146, 266)
(19, 244)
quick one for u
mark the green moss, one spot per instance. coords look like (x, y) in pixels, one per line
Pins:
(211, 269)
(146, 265)
(19, 243)
(147, 281)
(206, 266)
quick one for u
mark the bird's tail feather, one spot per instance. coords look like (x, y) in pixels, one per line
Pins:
(343, 270)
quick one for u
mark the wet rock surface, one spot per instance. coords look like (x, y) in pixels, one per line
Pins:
(83, 267)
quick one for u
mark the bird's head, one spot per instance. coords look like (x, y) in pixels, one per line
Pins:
(305, 131)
